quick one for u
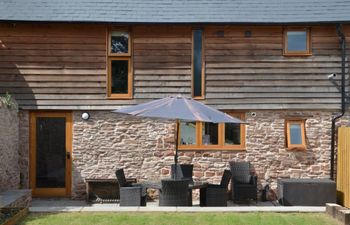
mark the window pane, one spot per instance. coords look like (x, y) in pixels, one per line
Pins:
(210, 133)
(119, 42)
(295, 134)
(297, 40)
(188, 133)
(232, 134)
(50, 152)
(197, 63)
(119, 76)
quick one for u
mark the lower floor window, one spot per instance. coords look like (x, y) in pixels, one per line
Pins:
(295, 134)
(204, 135)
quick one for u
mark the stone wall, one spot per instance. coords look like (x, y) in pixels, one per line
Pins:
(24, 148)
(9, 169)
(144, 148)
(107, 141)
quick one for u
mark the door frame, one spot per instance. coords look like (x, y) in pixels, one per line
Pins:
(50, 192)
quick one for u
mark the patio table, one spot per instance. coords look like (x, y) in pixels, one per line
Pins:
(193, 185)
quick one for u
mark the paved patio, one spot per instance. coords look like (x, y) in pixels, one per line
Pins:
(66, 205)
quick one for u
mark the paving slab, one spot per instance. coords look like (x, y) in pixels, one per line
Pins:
(66, 205)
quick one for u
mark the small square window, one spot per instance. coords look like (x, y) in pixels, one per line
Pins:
(119, 43)
(297, 42)
(295, 134)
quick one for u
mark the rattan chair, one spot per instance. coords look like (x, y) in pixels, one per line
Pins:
(244, 185)
(131, 194)
(216, 194)
(184, 171)
(174, 193)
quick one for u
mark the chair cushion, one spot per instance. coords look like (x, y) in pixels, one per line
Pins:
(242, 179)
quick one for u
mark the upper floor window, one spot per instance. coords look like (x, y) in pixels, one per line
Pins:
(197, 64)
(203, 135)
(295, 134)
(297, 42)
(119, 83)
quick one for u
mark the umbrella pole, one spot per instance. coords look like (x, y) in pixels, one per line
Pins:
(176, 145)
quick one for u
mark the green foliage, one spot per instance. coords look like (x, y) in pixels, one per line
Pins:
(156, 218)
(8, 102)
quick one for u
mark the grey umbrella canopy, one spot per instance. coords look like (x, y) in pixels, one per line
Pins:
(179, 108)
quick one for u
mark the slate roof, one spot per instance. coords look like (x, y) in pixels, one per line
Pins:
(177, 11)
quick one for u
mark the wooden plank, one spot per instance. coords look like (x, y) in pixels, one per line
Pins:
(220, 107)
(83, 96)
(267, 76)
(269, 83)
(56, 77)
(50, 52)
(268, 95)
(51, 59)
(53, 71)
(156, 84)
(164, 77)
(45, 46)
(20, 39)
(53, 90)
(280, 89)
(162, 71)
(53, 84)
(273, 71)
(53, 65)
(277, 64)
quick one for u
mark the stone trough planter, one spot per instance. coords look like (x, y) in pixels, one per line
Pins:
(14, 206)
(12, 216)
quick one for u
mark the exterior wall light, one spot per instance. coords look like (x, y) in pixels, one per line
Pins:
(85, 115)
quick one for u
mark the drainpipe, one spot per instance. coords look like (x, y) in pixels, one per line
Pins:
(343, 58)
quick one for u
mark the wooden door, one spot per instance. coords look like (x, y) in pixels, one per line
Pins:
(50, 153)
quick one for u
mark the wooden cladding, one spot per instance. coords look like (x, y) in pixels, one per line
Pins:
(65, 66)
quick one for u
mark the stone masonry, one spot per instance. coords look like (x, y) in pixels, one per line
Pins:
(9, 169)
(145, 148)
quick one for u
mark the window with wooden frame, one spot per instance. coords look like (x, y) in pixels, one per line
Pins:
(297, 42)
(212, 136)
(119, 82)
(295, 134)
(198, 64)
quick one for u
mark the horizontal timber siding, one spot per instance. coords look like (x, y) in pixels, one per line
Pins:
(63, 66)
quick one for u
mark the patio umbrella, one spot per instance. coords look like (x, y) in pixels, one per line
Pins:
(179, 108)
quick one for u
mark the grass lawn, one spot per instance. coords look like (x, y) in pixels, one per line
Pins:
(179, 219)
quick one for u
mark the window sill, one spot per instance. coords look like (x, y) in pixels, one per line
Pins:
(198, 98)
(212, 148)
(119, 97)
(297, 54)
(296, 148)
